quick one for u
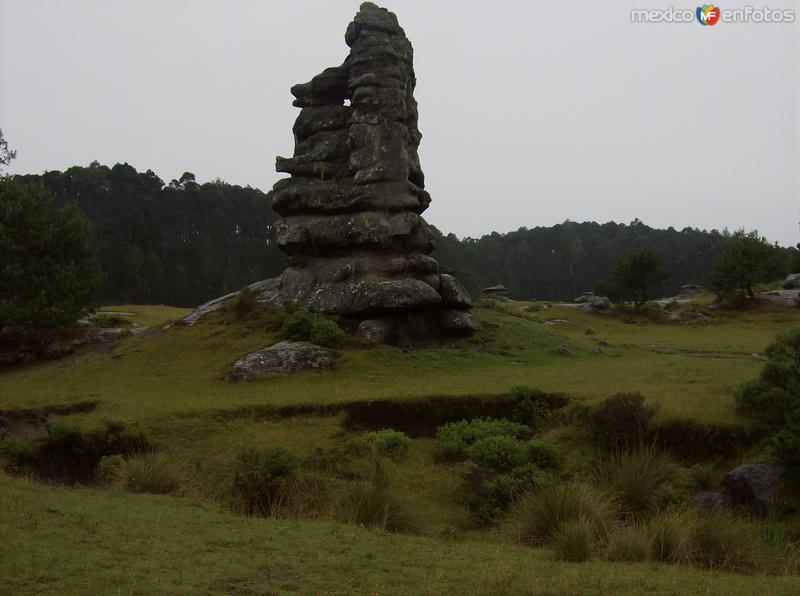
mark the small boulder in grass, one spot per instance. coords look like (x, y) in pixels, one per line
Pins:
(282, 357)
(755, 485)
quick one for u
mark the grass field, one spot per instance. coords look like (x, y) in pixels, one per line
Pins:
(171, 383)
(70, 541)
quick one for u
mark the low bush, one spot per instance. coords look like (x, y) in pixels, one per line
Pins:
(389, 443)
(455, 438)
(538, 517)
(69, 454)
(543, 455)
(533, 407)
(501, 453)
(637, 477)
(763, 401)
(574, 541)
(628, 543)
(622, 421)
(153, 473)
(488, 493)
(263, 479)
(303, 325)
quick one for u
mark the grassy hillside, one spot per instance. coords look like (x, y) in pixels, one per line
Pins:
(56, 540)
(170, 382)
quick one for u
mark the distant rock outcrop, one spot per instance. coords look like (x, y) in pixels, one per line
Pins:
(351, 226)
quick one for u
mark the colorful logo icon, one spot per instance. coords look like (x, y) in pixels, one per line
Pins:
(708, 14)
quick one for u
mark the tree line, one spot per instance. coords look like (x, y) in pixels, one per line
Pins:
(183, 243)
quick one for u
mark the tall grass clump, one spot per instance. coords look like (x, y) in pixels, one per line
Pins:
(574, 541)
(537, 518)
(263, 479)
(670, 535)
(629, 543)
(154, 473)
(372, 504)
(637, 477)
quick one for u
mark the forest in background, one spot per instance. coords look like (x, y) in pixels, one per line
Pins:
(183, 243)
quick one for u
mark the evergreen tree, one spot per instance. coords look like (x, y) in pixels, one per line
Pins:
(749, 260)
(48, 271)
(634, 277)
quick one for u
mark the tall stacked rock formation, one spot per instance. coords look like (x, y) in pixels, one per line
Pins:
(357, 246)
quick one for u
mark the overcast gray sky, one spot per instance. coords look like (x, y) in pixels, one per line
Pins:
(532, 112)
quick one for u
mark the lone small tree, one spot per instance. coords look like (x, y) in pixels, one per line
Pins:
(48, 271)
(634, 277)
(750, 259)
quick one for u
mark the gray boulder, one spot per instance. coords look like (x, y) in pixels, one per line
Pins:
(282, 357)
(596, 304)
(792, 281)
(755, 485)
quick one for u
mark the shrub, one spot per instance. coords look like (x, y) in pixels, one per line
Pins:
(17, 454)
(152, 473)
(371, 504)
(110, 321)
(302, 325)
(263, 478)
(622, 421)
(670, 536)
(388, 442)
(243, 304)
(636, 477)
(533, 407)
(500, 453)
(70, 454)
(503, 468)
(488, 493)
(455, 438)
(543, 455)
(762, 401)
(573, 541)
(629, 543)
(538, 517)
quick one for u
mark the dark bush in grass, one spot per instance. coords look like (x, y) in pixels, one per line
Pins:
(263, 479)
(622, 421)
(488, 493)
(638, 478)
(762, 401)
(501, 469)
(389, 443)
(69, 454)
(533, 407)
(455, 438)
(17, 454)
(303, 325)
(538, 517)
(543, 455)
(574, 541)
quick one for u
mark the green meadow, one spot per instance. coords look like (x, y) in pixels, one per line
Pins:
(169, 382)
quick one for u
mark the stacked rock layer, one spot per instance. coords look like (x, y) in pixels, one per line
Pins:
(357, 245)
